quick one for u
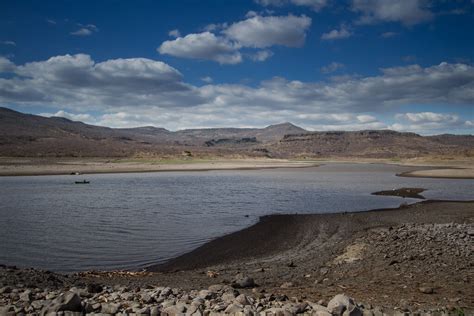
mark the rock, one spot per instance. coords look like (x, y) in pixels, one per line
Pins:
(426, 290)
(339, 304)
(206, 294)
(322, 313)
(228, 297)
(233, 309)
(109, 308)
(7, 310)
(26, 296)
(355, 311)
(147, 298)
(94, 288)
(88, 308)
(244, 282)
(242, 300)
(38, 305)
(154, 311)
(68, 301)
(277, 312)
(143, 311)
(216, 287)
(5, 290)
(299, 308)
(172, 311)
(319, 307)
(286, 285)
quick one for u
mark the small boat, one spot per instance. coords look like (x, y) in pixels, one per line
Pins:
(82, 182)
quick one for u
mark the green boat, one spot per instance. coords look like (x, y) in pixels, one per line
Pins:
(82, 182)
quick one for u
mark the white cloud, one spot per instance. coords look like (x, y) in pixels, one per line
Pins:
(174, 33)
(428, 117)
(266, 31)
(366, 118)
(204, 45)
(207, 79)
(388, 34)
(254, 32)
(407, 12)
(332, 67)
(215, 27)
(82, 32)
(85, 30)
(6, 65)
(51, 21)
(78, 81)
(430, 122)
(71, 116)
(316, 5)
(10, 43)
(335, 34)
(149, 92)
(261, 55)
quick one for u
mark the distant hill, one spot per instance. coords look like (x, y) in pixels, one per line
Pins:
(26, 135)
(375, 144)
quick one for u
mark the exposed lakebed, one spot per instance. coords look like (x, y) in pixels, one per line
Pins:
(129, 221)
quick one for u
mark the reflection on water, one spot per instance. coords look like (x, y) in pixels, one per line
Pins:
(131, 220)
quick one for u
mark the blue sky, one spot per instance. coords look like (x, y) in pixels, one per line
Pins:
(321, 64)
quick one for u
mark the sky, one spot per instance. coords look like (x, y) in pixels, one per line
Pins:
(405, 65)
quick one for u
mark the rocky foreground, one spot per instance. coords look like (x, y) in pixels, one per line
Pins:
(94, 299)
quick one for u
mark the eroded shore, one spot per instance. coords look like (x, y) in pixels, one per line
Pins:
(425, 168)
(414, 258)
(35, 167)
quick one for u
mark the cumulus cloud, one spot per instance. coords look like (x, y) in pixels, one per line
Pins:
(261, 55)
(74, 117)
(407, 12)
(315, 5)
(85, 30)
(332, 67)
(138, 91)
(204, 45)
(430, 122)
(428, 117)
(6, 65)
(336, 34)
(76, 80)
(207, 79)
(255, 32)
(266, 31)
(174, 33)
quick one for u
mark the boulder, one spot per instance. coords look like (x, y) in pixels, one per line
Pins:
(244, 282)
(109, 308)
(68, 301)
(339, 304)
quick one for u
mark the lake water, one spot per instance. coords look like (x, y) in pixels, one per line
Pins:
(129, 221)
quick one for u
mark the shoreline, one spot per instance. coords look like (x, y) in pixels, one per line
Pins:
(440, 173)
(12, 167)
(414, 257)
(213, 252)
(105, 167)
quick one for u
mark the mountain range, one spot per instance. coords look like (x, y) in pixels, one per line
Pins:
(27, 135)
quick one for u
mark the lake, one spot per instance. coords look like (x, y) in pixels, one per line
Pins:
(132, 220)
